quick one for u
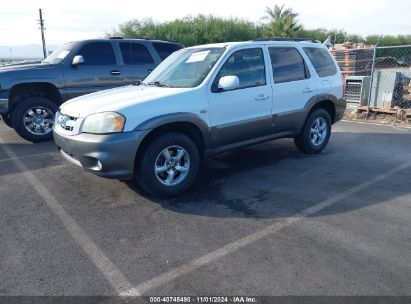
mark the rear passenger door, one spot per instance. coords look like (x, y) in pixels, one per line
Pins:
(137, 60)
(325, 67)
(293, 86)
(99, 70)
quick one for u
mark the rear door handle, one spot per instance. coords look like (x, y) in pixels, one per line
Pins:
(261, 97)
(308, 90)
(115, 72)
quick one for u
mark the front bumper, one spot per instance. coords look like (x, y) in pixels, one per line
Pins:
(110, 156)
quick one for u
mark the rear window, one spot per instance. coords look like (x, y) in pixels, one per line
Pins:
(135, 53)
(166, 49)
(322, 61)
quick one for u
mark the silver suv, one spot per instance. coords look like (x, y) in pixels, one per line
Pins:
(199, 102)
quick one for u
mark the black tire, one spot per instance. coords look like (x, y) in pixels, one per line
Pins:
(6, 119)
(23, 107)
(304, 141)
(145, 175)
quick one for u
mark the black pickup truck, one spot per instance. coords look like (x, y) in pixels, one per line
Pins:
(30, 94)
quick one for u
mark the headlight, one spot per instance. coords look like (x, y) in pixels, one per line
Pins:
(101, 123)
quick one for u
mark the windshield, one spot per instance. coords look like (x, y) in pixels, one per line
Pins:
(186, 68)
(58, 55)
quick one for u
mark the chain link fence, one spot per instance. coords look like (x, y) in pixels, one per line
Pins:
(391, 78)
(378, 77)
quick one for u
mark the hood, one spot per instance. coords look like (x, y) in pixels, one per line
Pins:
(116, 99)
(24, 66)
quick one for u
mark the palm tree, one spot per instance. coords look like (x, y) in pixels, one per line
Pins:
(283, 22)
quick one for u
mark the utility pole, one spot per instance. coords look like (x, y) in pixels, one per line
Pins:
(41, 22)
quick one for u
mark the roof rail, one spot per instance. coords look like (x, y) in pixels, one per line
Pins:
(144, 38)
(287, 39)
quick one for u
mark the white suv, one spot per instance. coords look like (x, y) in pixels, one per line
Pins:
(202, 101)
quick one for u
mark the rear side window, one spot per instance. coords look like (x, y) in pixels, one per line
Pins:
(287, 64)
(166, 49)
(135, 53)
(322, 61)
(98, 53)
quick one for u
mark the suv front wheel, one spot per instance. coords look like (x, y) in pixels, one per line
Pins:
(169, 165)
(316, 132)
(33, 118)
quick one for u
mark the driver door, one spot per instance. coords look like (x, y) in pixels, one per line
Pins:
(244, 112)
(99, 70)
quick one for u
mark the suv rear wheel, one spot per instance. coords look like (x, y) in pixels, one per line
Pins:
(33, 118)
(169, 165)
(316, 132)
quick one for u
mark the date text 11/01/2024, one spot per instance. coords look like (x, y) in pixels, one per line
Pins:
(203, 299)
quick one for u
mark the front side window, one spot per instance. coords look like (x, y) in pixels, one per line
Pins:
(135, 53)
(98, 53)
(287, 64)
(321, 60)
(186, 68)
(60, 54)
(248, 65)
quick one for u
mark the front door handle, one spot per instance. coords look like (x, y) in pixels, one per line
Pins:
(115, 72)
(261, 97)
(308, 90)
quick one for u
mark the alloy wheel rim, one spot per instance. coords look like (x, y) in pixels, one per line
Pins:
(38, 120)
(172, 165)
(319, 131)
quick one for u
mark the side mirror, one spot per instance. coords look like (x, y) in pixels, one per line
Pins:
(77, 60)
(227, 83)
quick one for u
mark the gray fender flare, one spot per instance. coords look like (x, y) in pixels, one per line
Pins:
(179, 117)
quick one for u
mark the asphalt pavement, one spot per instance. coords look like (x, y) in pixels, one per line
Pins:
(262, 220)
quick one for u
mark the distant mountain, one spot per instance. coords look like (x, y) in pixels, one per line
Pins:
(24, 51)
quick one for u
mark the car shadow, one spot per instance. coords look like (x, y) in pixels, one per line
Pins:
(34, 156)
(275, 180)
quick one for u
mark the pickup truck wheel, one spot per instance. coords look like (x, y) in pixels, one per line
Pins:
(33, 119)
(6, 119)
(169, 165)
(316, 132)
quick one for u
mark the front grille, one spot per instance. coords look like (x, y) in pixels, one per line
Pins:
(66, 122)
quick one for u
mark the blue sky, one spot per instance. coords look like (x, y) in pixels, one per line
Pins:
(73, 20)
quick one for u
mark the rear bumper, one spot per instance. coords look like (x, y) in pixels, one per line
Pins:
(110, 156)
(340, 107)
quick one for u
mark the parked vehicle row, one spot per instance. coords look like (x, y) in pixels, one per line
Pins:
(30, 94)
(199, 102)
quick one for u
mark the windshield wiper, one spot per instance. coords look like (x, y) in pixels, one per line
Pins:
(159, 84)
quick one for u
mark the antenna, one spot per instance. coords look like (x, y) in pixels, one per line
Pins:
(42, 28)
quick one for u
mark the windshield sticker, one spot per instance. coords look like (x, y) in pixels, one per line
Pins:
(198, 56)
(62, 54)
